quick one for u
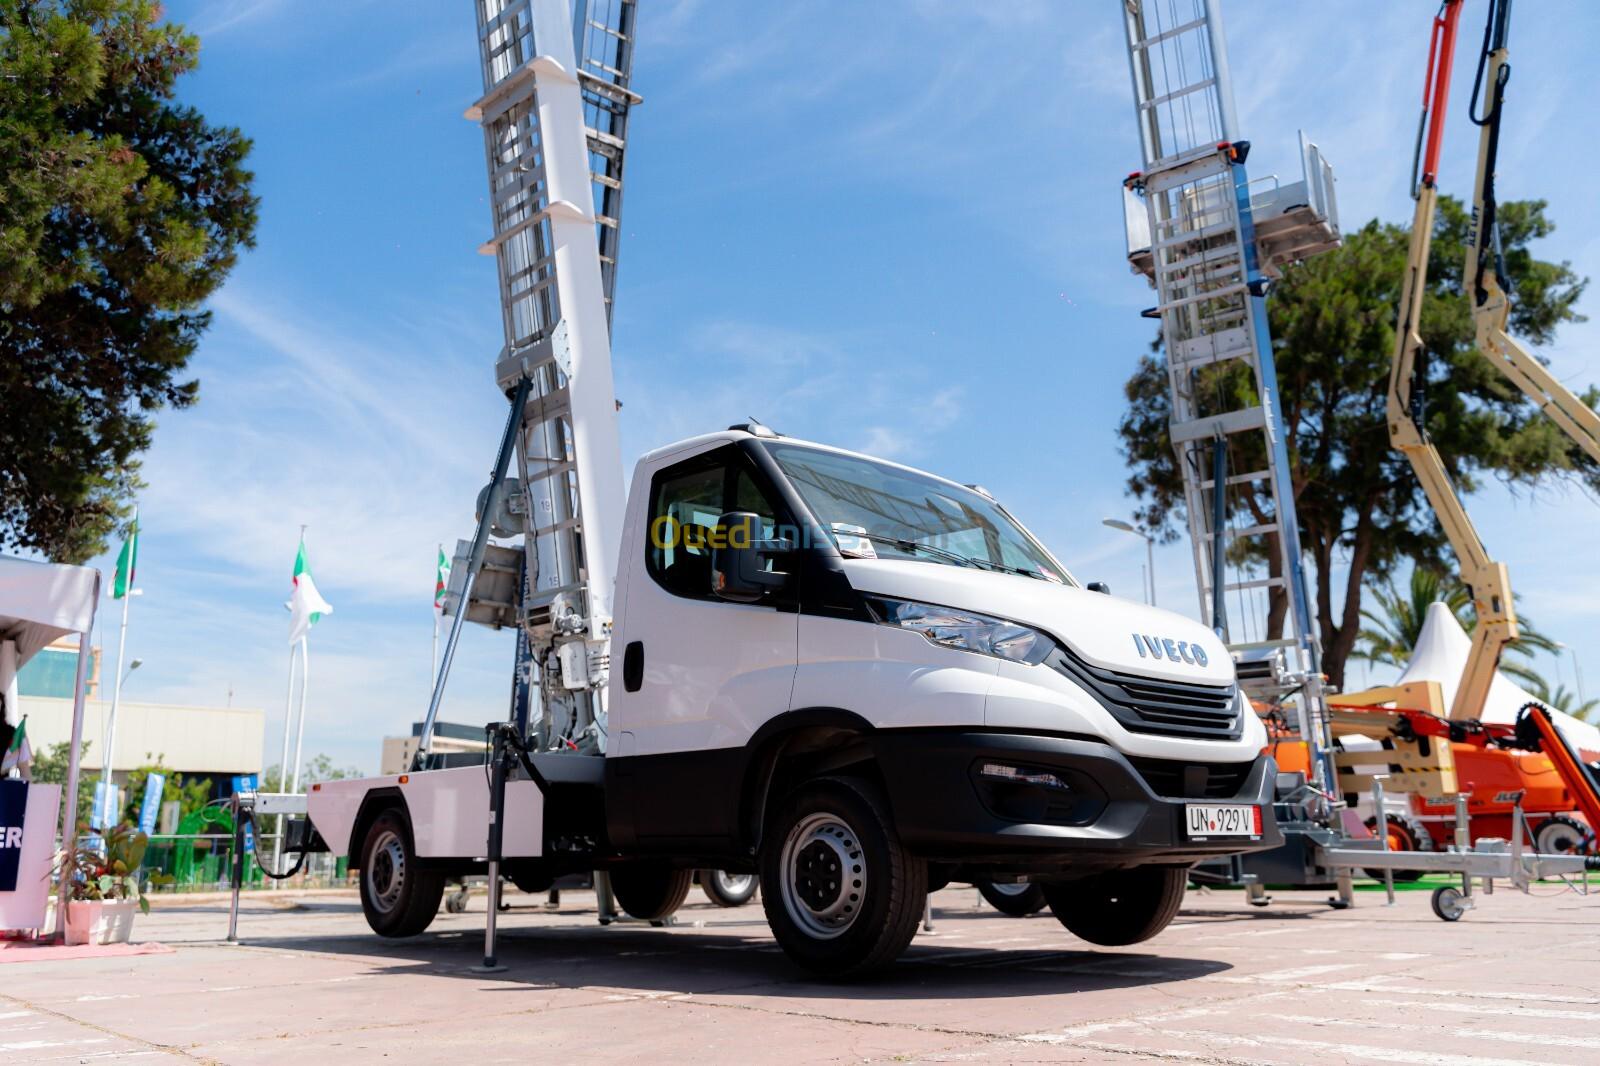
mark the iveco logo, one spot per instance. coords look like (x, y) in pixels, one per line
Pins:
(1150, 647)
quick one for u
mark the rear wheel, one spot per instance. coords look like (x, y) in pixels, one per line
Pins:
(1018, 900)
(1405, 834)
(650, 892)
(841, 893)
(398, 896)
(1561, 835)
(728, 890)
(1119, 907)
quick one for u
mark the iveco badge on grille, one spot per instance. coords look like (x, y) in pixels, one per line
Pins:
(1150, 647)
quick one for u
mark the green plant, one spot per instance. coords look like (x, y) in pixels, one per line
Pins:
(112, 870)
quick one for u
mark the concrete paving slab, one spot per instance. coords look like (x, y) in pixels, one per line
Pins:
(1517, 981)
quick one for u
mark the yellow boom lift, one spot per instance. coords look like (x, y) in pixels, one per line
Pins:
(1486, 579)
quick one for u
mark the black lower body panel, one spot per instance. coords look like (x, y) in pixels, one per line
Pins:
(1071, 806)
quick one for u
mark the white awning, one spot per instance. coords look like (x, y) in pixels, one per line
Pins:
(1441, 655)
(40, 602)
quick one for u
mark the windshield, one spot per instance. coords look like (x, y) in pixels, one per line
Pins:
(875, 510)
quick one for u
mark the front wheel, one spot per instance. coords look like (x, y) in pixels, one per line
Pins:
(1018, 900)
(398, 896)
(841, 893)
(1119, 907)
(728, 890)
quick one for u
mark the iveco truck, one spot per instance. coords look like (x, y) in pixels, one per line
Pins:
(860, 682)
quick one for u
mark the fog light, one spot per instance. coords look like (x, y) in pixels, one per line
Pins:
(1023, 777)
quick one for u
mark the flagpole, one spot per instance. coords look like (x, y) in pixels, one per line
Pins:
(116, 699)
(283, 760)
(433, 669)
(300, 732)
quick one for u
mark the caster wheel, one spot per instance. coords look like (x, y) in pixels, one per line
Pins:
(455, 903)
(1448, 904)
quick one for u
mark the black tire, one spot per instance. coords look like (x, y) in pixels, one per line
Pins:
(842, 895)
(398, 896)
(1119, 907)
(1405, 834)
(1561, 835)
(1018, 900)
(650, 892)
(729, 890)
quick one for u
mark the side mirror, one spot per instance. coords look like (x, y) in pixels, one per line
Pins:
(1098, 586)
(739, 571)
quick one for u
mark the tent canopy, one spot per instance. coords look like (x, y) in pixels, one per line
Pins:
(1441, 655)
(40, 602)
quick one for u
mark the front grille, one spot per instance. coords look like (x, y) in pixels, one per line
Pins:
(1182, 780)
(1149, 705)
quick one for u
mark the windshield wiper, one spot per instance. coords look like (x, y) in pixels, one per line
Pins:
(944, 553)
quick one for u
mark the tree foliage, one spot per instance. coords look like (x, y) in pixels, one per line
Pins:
(1333, 324)
(121, 210)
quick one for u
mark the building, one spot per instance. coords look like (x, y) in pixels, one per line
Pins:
(214, 742)
(448, 737)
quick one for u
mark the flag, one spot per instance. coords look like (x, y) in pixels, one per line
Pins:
(20, 753)
(127, 562)
(441, 580)
(306, 605)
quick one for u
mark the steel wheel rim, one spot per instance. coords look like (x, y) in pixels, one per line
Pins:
(386, 871)
(732, 884)
(1016, 889)
(824, 875)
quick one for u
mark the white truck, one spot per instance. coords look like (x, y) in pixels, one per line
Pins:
(860, 682)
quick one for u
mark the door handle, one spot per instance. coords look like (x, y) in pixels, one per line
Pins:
(633, 666)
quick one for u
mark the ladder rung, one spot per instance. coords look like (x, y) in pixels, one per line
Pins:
(1221, 293)
(1211, 260)
(1167, 35)
(603, 28)
(1233, 422)
(1252, 531)
(1178, 94)
(1258, 583)
(1240, 479)
(1213, 230)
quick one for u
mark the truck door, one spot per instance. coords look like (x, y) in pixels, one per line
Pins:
(712, 671)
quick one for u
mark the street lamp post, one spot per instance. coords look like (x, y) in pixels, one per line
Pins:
(1149, 551)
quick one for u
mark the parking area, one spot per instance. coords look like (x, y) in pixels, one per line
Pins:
(1518, 981)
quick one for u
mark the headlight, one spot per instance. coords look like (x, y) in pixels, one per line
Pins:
(963, 630)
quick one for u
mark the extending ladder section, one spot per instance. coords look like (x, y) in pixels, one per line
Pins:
(554, 114)
(1210, 239)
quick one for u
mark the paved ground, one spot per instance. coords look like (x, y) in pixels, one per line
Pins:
(1518, 981)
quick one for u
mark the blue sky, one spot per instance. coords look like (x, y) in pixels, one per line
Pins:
(890, 226)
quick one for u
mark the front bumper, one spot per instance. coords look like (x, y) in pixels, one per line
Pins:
(1112, 813)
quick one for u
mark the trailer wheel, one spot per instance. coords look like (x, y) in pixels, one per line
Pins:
(1119, 907)
(1405, 834)
(649, 892)
(1447, 903)
(1018, 900)
(398, 896)
(841, 893)
(728, 890)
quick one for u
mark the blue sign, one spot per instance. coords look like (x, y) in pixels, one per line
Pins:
(247, 783)
(106, 808)
(13, 807)
(155, 787)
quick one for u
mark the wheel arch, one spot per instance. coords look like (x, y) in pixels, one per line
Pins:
(809, 740)
(375, 803)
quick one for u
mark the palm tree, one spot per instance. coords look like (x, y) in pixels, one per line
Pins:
(1562, 700)
(1394, 627)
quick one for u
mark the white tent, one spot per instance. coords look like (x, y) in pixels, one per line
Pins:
(1441, 655)
(40, 602)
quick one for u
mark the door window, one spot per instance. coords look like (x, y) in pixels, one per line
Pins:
(685, 502)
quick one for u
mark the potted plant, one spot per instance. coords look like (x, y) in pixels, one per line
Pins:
(105, 882)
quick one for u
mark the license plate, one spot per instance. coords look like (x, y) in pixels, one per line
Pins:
(1222, 820)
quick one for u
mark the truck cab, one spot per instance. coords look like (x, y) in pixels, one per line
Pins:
(861, 682)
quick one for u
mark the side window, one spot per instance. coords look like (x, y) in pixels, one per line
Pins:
(685, 503)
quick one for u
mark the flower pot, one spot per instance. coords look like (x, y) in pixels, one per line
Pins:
(100, 921)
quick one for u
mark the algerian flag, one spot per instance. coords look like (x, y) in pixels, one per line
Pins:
(128, 561)
(306, 605)
(20, 753)
(441, 579)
